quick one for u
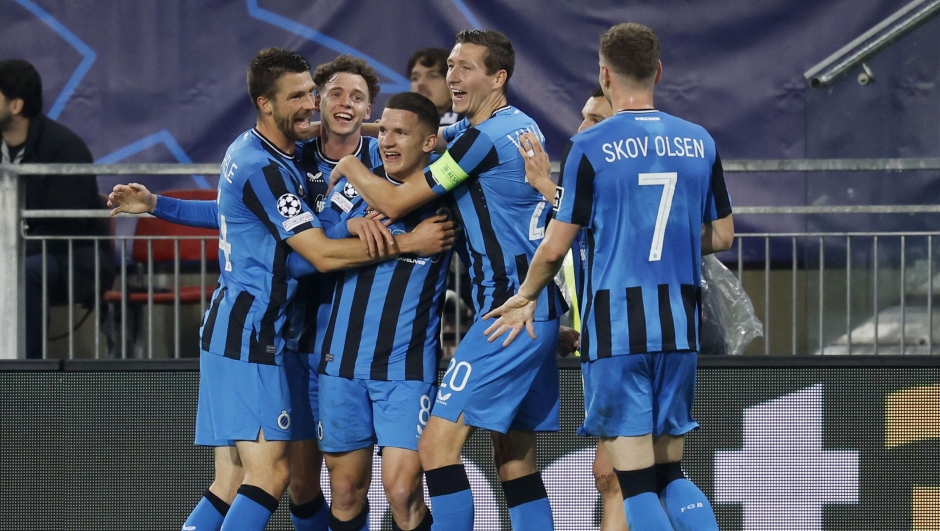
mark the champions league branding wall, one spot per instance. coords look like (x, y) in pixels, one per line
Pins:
(164, 81)
(797, 444)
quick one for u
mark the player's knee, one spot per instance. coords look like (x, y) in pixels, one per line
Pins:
(348, 493)
(280, 474)
(403, 494)
(607, 484)
(302, 488)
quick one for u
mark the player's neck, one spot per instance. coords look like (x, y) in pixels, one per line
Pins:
(274, 135)
(337, 146)
(493, 102)
(622, 99)
(15, 134)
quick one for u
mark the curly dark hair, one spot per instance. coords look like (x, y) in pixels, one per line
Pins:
(349, 65)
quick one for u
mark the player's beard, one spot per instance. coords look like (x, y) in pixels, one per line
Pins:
(285, 124)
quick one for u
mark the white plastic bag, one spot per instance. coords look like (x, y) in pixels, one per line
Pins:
(728, 320)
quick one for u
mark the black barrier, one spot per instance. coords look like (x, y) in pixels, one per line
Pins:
(786, 443)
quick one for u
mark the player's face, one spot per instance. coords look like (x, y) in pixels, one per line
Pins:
(432, 84)
(404, 141)
(594, 112)
(469, 84)
(344, 103)
(293, 105)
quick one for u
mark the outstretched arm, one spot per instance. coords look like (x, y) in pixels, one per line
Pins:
(135, 198)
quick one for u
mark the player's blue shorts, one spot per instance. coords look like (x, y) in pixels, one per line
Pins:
(303, 382)
(356, 414)
(237, 400)
(637, 394)
(502, 389)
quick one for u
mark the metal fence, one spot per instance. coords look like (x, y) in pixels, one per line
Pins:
(816, 292)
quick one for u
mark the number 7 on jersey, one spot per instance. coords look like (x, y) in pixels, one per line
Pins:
(668, 182)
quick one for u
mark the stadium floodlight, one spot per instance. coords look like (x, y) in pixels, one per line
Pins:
(871, 42)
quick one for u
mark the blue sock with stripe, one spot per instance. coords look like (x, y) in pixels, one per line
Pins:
(686, 505)
(207, 515)
(451, 498)
(311, 516)
(640, 501)
(527, 500)
(251, 510)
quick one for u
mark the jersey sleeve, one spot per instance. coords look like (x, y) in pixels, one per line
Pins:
(574, 195)
(270, 194)
(717, 200)
(189, 212)
(451, 131)
(298, 266)
(472, 154)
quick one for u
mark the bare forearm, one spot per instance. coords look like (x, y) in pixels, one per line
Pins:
(545, 186)
(544, 267)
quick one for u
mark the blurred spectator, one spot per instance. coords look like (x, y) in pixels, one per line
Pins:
(427, 70)
(29, 136)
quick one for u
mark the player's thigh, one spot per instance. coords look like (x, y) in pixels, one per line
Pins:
(630, 453)
(602, 465)
(400, 411)
(266, 462)
(401, 475)
(674, 392)
(539, 409)
(514, 454)
(350, 475)
(303, 382)
(668, 448)
(486, 382)
(618, 396)
(346, 422)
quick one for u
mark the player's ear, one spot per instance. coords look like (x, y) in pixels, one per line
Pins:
(500, 78)
(659, 71)
(429, 143)
(316, 102)
(264, 105)
(15, 106)
(368, 112)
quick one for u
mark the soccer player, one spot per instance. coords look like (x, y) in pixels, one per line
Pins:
(377, 382)
(427, 70)
(346, 88)
(650, 190)
(512, 394)
(538, 172)
(243, 399)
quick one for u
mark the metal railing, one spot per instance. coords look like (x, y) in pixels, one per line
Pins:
(810, 255)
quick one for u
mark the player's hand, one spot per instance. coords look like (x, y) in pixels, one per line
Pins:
(537, 165)
(131, 198)
(514, 314)
(376, 215)
(569, 340)
(338, 172)
(376, 236)
(434, 235)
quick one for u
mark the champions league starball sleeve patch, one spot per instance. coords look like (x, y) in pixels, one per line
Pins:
(288, 205)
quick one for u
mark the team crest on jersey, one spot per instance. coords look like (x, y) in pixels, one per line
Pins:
(559, 195)
(288, 205)
(283, 420)
(350, 191)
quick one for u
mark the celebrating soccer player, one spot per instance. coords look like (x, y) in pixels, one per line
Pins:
(512, 394)
(650, 190)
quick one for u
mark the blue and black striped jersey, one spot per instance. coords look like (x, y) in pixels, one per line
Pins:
(386, 317)
(503, 218)
(642, 183)
(261, 204)
(310, 311)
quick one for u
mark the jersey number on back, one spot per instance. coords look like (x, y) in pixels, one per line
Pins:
(668, 182)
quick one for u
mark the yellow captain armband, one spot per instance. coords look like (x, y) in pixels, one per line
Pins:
(447, 172)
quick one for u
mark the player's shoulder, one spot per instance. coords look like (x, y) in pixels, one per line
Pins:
(249, 154)
(504, 121)
(686, 126)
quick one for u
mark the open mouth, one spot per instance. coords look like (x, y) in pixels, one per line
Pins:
(302, 124)
(391, 156)
(343, 118)
(457, 95)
